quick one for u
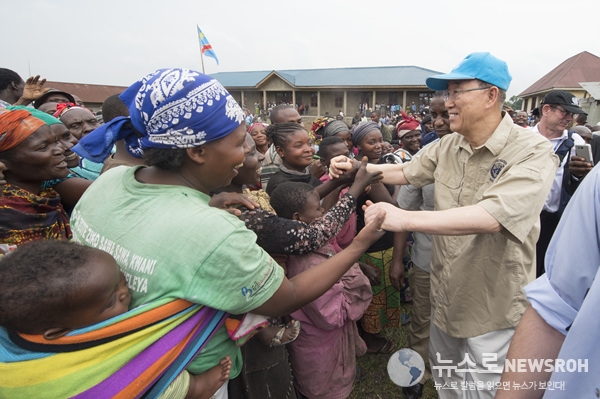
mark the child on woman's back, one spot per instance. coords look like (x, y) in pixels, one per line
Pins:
(52, 287)
(323, 357)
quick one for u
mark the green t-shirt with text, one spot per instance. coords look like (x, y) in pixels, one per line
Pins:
(170, 243)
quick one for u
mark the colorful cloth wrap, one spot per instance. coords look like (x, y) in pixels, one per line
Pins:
(137, 353)
(316, 131)
(170, 108)
(16, 126)
(384, 310)
(26, 217)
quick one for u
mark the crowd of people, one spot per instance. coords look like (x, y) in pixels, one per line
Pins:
(183, 249)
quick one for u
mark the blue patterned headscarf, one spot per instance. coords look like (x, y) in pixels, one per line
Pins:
(179, 108)
(171, 108)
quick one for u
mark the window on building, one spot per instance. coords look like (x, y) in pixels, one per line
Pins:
(314, 99)
(283, 97)
(339, 100)
(425, 99)
(393, 98)
(365, 97)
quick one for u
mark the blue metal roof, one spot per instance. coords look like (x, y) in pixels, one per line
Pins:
(367, 76)
(240, 79)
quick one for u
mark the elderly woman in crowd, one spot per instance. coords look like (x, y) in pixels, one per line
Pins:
(79, 179)
(31, 154)
(408, 132)
(166, 238)
(80, 122)
(410, 138)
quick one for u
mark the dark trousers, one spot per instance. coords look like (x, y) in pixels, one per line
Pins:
(548, 223)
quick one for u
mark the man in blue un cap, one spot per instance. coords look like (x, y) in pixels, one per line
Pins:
(491, 178)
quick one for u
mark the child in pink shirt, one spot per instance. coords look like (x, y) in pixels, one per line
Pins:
(323, 357)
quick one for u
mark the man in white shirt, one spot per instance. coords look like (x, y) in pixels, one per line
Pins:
(557, 112)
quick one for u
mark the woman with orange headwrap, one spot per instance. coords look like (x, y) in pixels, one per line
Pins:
(31, 154)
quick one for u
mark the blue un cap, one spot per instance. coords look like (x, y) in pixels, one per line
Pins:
(482, 66)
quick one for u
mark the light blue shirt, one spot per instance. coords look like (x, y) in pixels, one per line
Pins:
(567, 297)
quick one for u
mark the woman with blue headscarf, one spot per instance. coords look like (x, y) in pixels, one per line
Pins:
(158, 225)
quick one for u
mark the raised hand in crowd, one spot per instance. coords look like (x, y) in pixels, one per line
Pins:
(32, 91)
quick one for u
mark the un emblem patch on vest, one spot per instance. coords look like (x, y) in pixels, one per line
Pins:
(498, 166)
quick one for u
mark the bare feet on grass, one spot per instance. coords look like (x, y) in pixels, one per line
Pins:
(204, 386)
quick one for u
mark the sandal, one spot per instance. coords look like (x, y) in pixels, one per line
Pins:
(386, 348)
(278, 338)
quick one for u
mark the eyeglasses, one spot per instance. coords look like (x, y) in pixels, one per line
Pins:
(564, 112)
(455, 94)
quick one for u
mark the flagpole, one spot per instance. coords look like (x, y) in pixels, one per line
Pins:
(200, 44)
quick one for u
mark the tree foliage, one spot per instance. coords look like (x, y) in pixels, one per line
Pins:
(515, 102)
